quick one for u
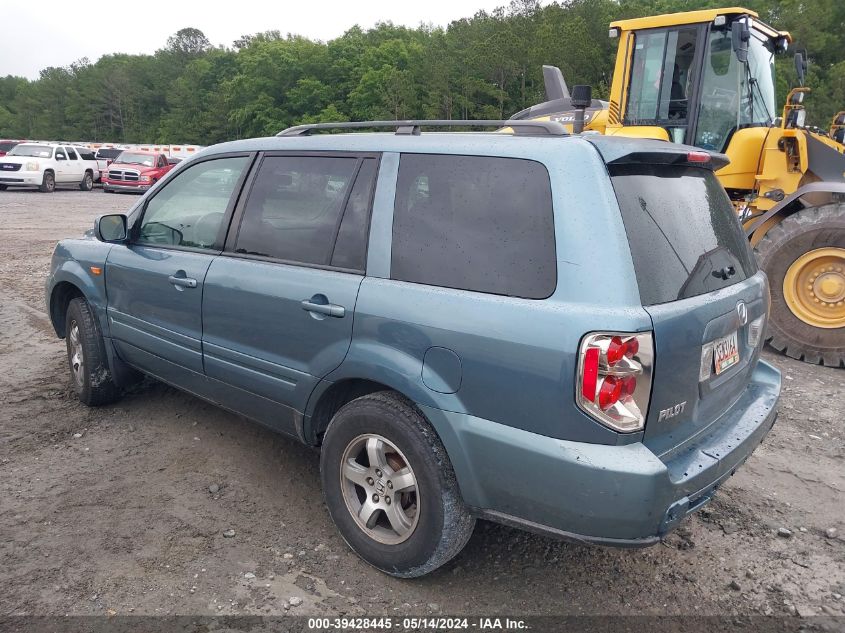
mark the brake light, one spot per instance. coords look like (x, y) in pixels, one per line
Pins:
(614, 378)
(698, 157)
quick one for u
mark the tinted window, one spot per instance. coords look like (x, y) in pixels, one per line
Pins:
(190, 208)
(108, 153)
(71, 154)
(475, 223)
(86, 154)
(294, 208)
(36, 151)
(683, 231)
(351, 246)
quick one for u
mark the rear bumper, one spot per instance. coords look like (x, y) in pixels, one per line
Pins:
(608, 495)
(124, 187)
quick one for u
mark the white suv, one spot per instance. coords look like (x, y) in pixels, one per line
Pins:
(46, 165)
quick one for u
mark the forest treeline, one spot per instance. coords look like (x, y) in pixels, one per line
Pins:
(487, 66)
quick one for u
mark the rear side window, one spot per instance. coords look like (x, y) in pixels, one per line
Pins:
(295, 211)
(684, 235)
(475, 223)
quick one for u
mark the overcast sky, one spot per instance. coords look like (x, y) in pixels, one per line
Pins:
(57, 32)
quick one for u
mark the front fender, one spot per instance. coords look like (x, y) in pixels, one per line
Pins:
(72, 264)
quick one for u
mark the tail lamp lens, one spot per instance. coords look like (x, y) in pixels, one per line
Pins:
(706, 367)
(614, 378)
(755, 330)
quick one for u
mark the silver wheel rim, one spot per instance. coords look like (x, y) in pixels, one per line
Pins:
(380, 489)
(77, 358)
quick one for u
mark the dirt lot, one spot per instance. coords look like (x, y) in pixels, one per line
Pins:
(109, 510)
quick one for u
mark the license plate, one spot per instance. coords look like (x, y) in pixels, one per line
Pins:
(725, 353)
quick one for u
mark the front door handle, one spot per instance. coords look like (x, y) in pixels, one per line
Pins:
(329, 309)
(184, 282)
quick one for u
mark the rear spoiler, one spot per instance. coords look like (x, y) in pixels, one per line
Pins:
(617, 150)
(689, 158)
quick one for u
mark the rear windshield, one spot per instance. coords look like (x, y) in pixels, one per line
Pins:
(5, 146)
(108, 153)
(684, 235)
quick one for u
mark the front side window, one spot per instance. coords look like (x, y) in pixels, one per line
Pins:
(189, 209)
(475, 223)
(295, 210)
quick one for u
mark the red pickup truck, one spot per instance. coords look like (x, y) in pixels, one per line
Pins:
(135, 171)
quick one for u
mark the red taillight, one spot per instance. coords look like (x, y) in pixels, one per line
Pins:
(698, 157)
(609, 392)
(615, 350)
(591, 373)
(629, 385)
(615, 378)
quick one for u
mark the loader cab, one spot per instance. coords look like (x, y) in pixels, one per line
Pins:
(698, 81)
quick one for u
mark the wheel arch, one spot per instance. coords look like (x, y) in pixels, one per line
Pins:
(68, 281)
(814, 194)
(60, 297)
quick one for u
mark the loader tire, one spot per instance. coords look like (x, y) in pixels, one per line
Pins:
(804, 258)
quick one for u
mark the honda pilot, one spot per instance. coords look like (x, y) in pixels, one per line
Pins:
(556, 332)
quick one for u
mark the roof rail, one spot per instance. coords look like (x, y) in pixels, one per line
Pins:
(412, 127)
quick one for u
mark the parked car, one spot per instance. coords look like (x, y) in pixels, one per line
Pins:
(135, 171)
(105, 157)
(88, 157)
(45, 166)
(556, 332)
(5, 146)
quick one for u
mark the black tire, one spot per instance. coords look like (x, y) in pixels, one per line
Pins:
(804, 231)
(48, 183)
(107, 190)
(443, 523)
(4, 187)
(87, 183)
(93, 381)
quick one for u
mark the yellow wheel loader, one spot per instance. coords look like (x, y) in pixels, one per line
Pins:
(706, 78)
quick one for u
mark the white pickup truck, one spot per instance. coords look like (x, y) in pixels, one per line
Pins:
(47, 165)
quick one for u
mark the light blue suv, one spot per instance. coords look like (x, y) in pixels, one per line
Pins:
(557, 332)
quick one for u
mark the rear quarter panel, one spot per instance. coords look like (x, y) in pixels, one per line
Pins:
(517, 357)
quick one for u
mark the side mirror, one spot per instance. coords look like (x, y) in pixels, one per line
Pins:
(800, 67)
(60, 156)
(111, 228)
(740, 36)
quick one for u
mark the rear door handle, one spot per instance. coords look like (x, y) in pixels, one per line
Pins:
(329, 309)
(184, 282)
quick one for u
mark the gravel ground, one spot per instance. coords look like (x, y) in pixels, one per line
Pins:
(111, 510)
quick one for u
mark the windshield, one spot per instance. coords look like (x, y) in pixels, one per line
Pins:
(734, 95)
(36, 151)
(137, 159)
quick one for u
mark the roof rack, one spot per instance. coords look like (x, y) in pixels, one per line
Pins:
(412, 127)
